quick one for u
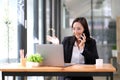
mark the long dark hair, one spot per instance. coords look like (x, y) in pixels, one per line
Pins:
(84, 23)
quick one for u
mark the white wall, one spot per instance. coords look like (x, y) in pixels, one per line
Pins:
(115, 8)
(66, 32)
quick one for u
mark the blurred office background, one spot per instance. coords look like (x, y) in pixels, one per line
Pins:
(25, 23)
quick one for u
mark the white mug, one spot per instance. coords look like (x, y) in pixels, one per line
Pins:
(99, 62)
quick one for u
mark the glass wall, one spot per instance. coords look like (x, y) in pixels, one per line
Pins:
(97, 12)
(53, 17)
(30, 24)
(101, 23)
(8, 27)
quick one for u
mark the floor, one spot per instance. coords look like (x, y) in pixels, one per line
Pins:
(116, 77)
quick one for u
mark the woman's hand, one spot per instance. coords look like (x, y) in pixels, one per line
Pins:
(53, 39)
(82, 41)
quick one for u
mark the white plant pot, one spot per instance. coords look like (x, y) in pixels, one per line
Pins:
(33, 64)
(114, 53)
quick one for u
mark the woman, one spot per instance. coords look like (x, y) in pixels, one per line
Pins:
(79, 48)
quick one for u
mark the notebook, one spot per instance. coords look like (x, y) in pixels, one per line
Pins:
(53, 54)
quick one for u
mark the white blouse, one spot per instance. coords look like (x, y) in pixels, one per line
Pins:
(77, 57)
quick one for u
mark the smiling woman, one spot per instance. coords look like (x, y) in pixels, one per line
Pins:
(77, 50)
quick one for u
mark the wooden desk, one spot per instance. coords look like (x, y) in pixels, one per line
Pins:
(75, 70)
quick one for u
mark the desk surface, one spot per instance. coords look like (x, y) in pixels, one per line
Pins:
(15, 67)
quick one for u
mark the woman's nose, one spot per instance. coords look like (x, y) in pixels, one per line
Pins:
(76, 31)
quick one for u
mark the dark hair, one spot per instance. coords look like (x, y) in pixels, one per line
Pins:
(84, 23)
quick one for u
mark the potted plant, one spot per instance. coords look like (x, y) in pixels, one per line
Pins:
(34, 60)
(114, 51)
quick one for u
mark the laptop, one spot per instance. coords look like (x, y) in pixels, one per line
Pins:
(53, 54)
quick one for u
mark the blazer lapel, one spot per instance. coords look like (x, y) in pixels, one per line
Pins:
(72, 41)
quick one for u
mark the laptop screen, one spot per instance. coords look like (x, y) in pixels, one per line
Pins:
(52, 54)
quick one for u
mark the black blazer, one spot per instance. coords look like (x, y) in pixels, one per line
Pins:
(90, 51)
(90, 54)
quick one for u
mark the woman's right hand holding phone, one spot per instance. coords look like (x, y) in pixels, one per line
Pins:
(82, 41)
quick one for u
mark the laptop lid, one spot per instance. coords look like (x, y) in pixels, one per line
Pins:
(52, 54)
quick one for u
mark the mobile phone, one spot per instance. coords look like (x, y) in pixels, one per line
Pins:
(81, 36)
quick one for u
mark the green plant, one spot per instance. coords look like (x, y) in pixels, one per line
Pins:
(35, 58)
(114, 47)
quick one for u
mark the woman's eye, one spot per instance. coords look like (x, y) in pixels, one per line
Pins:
(76, 28)
(73, 28)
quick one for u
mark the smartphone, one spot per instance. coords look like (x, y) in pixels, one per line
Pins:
(81, 37)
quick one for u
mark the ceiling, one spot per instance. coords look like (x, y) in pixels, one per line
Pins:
(83, 7)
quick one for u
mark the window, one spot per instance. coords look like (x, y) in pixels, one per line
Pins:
(8, 33)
